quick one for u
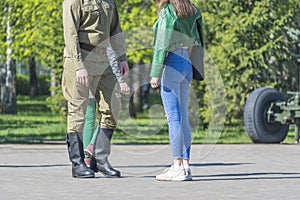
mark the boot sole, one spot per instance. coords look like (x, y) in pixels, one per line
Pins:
(108, 176)
(105, 175)
(86, 176)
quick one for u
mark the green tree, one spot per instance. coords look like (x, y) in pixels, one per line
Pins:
(37, 36)
(248, 42)
(8, 89)
(137, 18)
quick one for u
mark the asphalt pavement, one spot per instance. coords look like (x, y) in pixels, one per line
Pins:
(251, 171)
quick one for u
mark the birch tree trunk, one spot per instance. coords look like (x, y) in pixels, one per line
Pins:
(2, 85)
(10, 100)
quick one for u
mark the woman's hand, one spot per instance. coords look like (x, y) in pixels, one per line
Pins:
(125, 89)
(154, 82)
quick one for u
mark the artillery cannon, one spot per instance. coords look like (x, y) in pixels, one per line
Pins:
(267, 115)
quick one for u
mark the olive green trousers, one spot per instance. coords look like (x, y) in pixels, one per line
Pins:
(104, 87)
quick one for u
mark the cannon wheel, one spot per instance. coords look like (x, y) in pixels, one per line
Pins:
(255, 117)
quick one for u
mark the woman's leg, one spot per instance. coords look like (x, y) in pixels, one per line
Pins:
(89, 124)
(170, 93)
(187, 139)
(184, 95)
(173, 82)
(95, 135)
(186, 132)
(176, 80)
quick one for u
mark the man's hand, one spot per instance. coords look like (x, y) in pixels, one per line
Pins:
(124, 69)
(82, 77)
(154, 82)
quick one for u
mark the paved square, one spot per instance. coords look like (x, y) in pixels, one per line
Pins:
(245, 172)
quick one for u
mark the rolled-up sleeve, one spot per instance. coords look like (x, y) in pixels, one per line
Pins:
(71, 23)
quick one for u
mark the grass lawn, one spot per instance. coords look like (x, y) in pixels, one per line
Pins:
(34, 123)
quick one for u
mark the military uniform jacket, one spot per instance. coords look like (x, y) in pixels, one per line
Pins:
(92, 23)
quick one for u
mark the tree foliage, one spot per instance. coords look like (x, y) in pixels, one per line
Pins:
(249, 43)
(253, 43)
(37, 31)
(137, 18)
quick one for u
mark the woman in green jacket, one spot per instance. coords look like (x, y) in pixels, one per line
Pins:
(177, 29)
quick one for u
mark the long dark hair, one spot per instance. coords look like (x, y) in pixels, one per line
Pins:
(183, 8)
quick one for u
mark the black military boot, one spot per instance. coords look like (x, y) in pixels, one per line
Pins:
(76, 155)
(99, 161)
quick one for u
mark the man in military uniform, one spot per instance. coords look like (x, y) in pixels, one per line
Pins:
(89, 26)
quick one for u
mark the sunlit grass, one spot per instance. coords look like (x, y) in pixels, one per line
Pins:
(34, 123)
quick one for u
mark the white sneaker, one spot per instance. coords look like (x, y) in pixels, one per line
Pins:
(172, 174)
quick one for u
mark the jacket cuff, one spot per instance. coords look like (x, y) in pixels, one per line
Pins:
(156, 70)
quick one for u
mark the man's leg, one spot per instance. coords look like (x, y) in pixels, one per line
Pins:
(109, 106)
(77, 97)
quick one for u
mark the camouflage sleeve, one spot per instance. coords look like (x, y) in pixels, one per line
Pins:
(113, 61)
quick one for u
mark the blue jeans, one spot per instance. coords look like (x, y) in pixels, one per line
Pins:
(175, 83)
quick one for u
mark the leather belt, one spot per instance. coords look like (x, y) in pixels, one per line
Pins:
(96, 49)
(87, 47)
